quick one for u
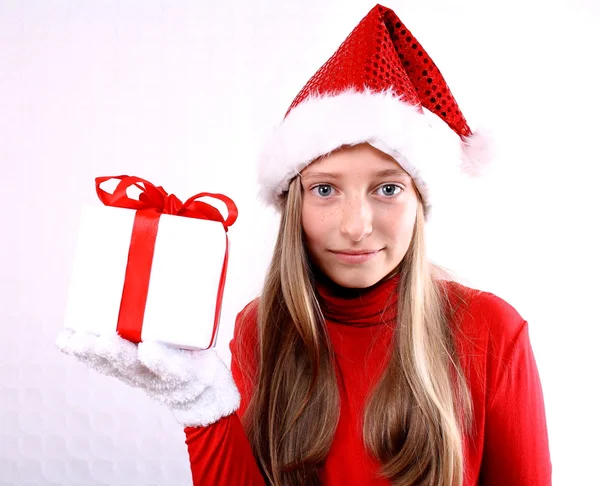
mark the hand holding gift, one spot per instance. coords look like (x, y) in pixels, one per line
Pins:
(148, 279)
(195, 384)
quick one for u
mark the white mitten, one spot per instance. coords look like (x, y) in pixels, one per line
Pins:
(196, 385)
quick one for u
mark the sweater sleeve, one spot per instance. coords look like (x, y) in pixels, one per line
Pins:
(516, 448)
(220, 453)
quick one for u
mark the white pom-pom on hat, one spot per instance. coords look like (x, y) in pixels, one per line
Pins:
(477, 152)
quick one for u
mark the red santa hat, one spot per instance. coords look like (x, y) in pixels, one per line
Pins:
(375, 89)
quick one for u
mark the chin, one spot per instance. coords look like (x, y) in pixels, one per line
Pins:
(357, 279)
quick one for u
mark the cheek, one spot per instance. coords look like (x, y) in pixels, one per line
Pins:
(398, 228)
(312, 226)
(319, 224)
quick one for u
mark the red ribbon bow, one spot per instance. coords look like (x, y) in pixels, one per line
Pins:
(156, 198)
(152, 203)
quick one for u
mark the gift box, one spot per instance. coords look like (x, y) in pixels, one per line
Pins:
(150, 267)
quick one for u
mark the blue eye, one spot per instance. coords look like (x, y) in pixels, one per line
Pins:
(389, 190)
(323, 190)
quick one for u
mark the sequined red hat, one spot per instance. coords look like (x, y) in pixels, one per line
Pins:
(375, 89)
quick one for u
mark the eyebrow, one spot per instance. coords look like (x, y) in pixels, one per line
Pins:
(332, 175)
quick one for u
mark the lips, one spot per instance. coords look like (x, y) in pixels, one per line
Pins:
(353, 257)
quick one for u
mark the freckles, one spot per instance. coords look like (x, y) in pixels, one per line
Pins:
(323, 215)
(325, 220)
(328, 216)
(317, 220)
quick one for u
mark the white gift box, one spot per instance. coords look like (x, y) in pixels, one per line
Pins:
(181, 307)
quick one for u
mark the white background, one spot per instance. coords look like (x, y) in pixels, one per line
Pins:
(182, 93)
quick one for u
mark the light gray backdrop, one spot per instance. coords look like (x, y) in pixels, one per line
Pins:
(182, 93)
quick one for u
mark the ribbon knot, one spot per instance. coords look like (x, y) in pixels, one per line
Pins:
(156, 198)
(173, 205)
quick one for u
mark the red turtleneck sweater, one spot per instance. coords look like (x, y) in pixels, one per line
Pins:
(510, 443)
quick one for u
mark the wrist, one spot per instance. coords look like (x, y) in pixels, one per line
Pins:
(218, 400)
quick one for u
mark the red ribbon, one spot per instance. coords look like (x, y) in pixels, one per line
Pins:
(153, 202)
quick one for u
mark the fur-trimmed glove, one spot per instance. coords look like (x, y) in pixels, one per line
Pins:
(196, 385)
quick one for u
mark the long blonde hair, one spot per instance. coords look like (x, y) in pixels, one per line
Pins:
(416, 415)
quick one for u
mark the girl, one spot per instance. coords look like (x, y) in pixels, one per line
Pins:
(361, 363)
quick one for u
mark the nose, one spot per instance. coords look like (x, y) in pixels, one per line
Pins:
(357, 219)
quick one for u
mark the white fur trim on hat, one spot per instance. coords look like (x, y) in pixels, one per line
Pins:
(324, 123)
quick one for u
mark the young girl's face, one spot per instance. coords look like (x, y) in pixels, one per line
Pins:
(358, 213)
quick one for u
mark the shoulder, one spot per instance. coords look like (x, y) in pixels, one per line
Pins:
(248, 313)
(245, 329)
(489, 332)
(485, 319)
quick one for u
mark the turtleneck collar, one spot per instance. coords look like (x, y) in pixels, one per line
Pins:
(358, 307)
